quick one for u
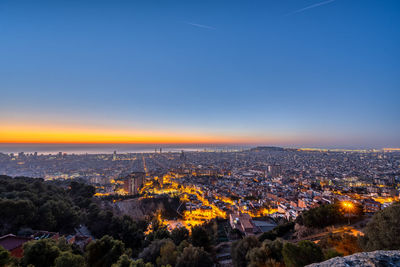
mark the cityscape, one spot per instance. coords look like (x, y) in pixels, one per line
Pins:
(250, 190)
(224, 133)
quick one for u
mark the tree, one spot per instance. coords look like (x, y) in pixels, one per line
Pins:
(124, 261)
(200, 238)
(68, 259)
(383, 231)
(40, 253)
(81, 190)
(4, 256)
(321, 216)
(168, 254)
(179, 234)
(129, 232)
(194, 257)
(104, 252)
(344, 244)
(304, 253)
(184, 244)
(278, 231)
(151, 252)
(161, 233)
(50, 252)
(140, 263)
(58, 215)
(240, 249)
(36, 204)
(15, 213)
(269, 254)
(99, 221)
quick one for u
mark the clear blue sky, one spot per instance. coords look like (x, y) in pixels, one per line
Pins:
(287, 72)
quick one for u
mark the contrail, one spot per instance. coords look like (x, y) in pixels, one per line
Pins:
(310, 7)
(201, 26)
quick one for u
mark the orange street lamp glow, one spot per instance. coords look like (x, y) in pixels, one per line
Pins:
(348, 207)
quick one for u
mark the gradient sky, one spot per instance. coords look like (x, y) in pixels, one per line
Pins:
(283, 72)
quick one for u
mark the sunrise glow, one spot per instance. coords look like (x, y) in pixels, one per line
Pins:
(53, 134)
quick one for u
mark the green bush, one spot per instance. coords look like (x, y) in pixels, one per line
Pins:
(304, 253)
(278, 231)
(383, 231)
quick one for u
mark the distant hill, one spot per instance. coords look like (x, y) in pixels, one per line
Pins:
(267, 148)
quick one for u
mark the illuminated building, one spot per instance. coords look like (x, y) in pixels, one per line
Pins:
(182, 157)
(371, 205)
(160, 179)
(133, 182)
(242, 222)
(274, 170)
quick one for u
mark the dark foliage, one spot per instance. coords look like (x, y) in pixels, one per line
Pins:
(194, 257)
(104, 252)
(327, 215)
(278, 231)
(4, 256)
(179, 234)
(321, 216)
(45, 252)
(201, 238)
(383, 231)
(150, 253)
(240, 249)
(34, 203)
(344, 244)
(304, 253)
(268, 254)
(68, 259)
(103, 222)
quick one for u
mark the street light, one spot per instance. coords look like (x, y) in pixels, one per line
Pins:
(348, 206)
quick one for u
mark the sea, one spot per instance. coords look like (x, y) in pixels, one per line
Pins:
(46, 149)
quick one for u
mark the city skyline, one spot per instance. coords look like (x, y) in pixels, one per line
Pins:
(226, 133)
(288, 73)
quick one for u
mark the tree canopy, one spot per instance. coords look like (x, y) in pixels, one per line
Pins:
(41, 253)
(240, 249)
(34, 203)
(301, 254)
(104, 252)
(194, 257)
(4, 256)
(383, 231)
(68, 259)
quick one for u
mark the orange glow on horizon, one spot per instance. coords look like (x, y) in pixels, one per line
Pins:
(391, 149)
(56, 134)
(79, 135)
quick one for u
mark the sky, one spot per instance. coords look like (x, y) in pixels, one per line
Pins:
(305, 73)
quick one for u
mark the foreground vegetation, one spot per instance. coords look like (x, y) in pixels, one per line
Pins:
(27, 204)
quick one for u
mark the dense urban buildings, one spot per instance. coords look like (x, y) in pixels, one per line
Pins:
(263, 180)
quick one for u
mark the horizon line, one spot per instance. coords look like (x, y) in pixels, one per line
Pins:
(299, 147)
